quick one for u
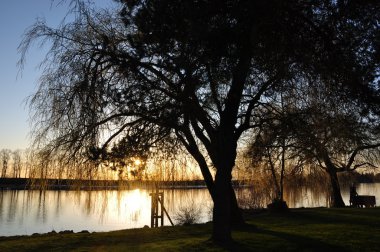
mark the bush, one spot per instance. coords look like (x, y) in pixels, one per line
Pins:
(187, 215)
(278, 205)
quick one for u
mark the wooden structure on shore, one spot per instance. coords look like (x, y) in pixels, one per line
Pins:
(158, 209)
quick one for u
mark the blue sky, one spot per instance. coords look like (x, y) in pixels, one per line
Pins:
(15, 17)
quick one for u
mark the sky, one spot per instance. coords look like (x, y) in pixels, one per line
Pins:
(15, 86)
(15, 17)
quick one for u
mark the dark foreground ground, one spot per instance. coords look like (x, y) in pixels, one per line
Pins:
(317, 229)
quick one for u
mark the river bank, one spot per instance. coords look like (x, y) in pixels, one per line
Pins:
(76, 184)
(314, 229)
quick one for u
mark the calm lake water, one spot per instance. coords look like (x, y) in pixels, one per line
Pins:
(27, 212)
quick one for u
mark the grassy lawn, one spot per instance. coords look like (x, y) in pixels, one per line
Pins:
(299, 230)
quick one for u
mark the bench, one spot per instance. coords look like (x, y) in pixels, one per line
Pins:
(363, 201)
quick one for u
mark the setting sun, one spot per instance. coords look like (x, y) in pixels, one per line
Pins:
(137, 162)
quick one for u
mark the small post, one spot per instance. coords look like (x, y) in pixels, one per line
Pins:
(161, 199)
(152, 212)
(156, 212)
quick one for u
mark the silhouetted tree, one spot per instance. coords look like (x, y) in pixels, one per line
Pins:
(192, 73)
(335, 133)
(17, 164)
(5, 156)
(273, 147)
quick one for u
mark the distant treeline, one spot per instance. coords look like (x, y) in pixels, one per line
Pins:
(360, 177)
(78, 184)
(72, 184)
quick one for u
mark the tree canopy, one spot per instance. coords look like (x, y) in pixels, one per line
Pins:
(193, 74)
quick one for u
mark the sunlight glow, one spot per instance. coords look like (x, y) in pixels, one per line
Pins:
(137, 162)
(135, 200)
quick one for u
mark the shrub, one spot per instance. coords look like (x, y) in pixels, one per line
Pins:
(187, 215)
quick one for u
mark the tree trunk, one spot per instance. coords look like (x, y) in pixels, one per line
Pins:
(236, 215)
(222, 213)
(336, 196)
(273, 171)
(282, 170)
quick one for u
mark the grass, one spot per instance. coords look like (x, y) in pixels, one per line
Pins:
(318, 229)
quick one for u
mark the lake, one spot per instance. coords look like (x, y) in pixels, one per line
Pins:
(24, 212)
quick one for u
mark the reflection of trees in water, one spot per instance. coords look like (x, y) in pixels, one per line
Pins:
(97, 208)
(12, 207)
(298, 192)
(312, 191)
(135, 216)
(261, 196)
(119, 200)
(88, 204)
(131, 208)
(83, 200)
(41, 209)
(1, 205)
(58, 204)
(258, 195)
(18, 205)
(30, 199)
(24, 207)
(109, 204)
(104, 206)
(176, 199)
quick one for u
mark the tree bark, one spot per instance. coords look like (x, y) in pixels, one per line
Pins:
(236, 215)
(222, 213)
(336, 196)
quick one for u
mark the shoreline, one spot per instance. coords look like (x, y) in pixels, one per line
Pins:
(74, 184)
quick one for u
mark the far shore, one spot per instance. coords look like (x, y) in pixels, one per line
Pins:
(84, 184)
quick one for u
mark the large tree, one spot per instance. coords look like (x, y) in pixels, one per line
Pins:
(334, 132)
(274, 147)
(318, 124)
(191, 72)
